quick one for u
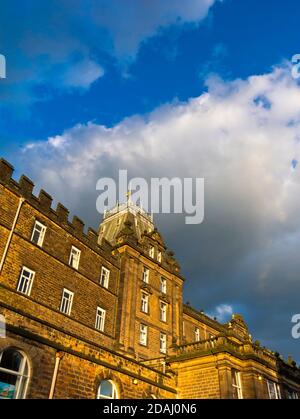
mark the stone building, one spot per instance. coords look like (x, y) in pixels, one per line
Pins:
(100, 314)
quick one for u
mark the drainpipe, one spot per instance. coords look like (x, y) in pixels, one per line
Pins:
(58, 357)
(21, 200)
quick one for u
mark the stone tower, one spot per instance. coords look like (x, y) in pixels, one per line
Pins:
(150, 283)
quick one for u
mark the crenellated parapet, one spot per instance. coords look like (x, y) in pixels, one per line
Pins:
(42, 202)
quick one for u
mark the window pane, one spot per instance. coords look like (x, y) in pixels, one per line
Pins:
(66, 302)
(234, 378)
(236, 384)
(146, 275)
(25, 281)
(163, 285)
(104, 277)
(38, 233)
(106, 389)
(7, 386)
(143, 334)
(35, 237)
(13, 385)
(273, 390)
(100, 319)
(11, 360)
(74, 257)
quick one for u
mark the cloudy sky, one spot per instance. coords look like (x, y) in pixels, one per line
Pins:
(200, 88)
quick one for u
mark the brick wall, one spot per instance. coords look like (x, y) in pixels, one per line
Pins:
(52, 272)
(131, 316)
(197, 381)
(83, 365)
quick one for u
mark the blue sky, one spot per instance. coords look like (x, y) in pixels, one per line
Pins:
(237, 39)
(195, 88)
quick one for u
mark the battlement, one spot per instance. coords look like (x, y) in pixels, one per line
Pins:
(43, 203)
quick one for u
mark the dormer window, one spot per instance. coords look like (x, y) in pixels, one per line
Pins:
(151, 252)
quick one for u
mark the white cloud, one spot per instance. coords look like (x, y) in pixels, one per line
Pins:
(247, 248)
(223, 135)
(222, 312)
(82, 74)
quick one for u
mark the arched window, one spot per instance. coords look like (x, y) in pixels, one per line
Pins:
(107, 390)
(14, 374)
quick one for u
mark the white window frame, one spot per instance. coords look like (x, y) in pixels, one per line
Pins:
(104, 277)
(74, 263)
(25, 283)
(163, 343)
(163, 285)
(159, 256)
(41, 230)
(293, 395)
(146, 275)
(163, 307)
(151, 252)
(144, 302)
(66, 303)
(273, 390)
(143, 334)
(23, 375)
(100, 319)
(212, 341)
(115, 394)
(197, 334)
(238, 385)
